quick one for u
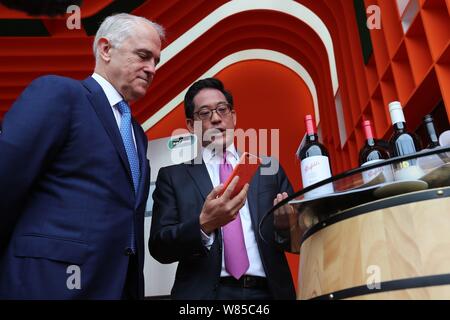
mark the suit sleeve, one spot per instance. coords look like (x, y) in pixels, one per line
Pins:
(33, 131)
(170, 238)
(283, 182)
(282, 237)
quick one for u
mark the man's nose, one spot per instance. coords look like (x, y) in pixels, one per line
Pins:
(150, 67)
(215, 117)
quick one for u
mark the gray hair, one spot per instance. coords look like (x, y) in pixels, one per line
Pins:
(118, 27)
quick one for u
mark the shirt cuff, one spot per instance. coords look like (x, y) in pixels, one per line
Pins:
(207, 240)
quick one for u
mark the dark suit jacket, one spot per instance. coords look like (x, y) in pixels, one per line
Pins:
(67, 194)
(175, 235)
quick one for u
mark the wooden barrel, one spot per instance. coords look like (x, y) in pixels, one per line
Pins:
(395, 248)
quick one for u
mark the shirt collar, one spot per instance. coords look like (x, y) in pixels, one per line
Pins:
(111, 93)
(210, 157)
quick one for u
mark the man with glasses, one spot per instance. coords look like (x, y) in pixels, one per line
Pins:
(215, 239)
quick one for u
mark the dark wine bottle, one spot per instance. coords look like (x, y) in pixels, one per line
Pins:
(403, 143)
(374, 149)
(315, 164)
(431, 131)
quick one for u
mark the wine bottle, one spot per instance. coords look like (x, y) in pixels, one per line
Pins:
(403, 143)
(432, 135)
(374, 150)
(314, 161)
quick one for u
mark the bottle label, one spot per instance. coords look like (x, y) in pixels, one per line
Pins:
(369, 175)
(315, 169)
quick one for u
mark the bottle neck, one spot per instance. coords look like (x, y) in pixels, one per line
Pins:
(370, 142)
(312, 137)
(398, 119)
(432, 132)
(400, 126)
(311, 131)
(368, 132)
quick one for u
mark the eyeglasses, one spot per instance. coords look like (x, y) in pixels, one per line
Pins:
(222, 109)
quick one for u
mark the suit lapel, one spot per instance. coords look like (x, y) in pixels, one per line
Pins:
(200, 176)
(252, 199)
(101, 106)
(252, 196)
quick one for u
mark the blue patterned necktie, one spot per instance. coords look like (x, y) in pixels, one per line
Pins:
(127, 137)
(133, 160)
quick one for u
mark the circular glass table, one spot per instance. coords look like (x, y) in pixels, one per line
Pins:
(376, 232)
(314, 207)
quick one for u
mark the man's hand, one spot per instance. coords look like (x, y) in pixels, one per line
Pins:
(218, 211)
(285, 220)
(284, 217)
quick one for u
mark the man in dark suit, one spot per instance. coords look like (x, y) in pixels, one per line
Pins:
(75, 176)
(193, 226)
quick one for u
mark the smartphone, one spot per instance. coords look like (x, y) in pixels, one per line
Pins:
(245, 169)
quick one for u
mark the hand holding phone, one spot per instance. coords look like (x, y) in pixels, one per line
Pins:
(245, 169)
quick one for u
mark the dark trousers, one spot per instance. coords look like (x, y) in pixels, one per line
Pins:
(229, 292)
(130, 290)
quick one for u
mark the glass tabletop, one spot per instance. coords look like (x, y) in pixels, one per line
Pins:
(294, 216)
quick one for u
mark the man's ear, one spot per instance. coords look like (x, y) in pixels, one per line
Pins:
(190, 125)
(104, 49)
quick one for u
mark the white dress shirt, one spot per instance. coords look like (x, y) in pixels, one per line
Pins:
(212, 163)
(114, 98)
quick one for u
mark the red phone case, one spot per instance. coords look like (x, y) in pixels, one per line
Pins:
(245, 169)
